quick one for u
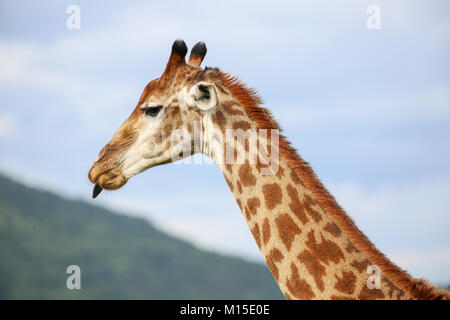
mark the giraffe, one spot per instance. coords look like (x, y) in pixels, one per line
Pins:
(311, 246)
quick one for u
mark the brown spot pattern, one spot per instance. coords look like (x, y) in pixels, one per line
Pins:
(360, 266)
(228, 107)
(235, 112)
(295, 178)
(390, 287)
(246, 176)
(230, 185)
(247, 213)
(256, 234)
(325, 250)
(332, 228)
(274, 256)
(238, 201)
(298, 287)
(295, 205)
(287, 229)
(314, 267)
(351, 248)
(272, 195)
(253, 204)
(239, 185)
(370, 294)
(308, 202)
(266, 231)
(172, 121)
(280, 172)
(346, 283)
(244, 125)
(219, 119)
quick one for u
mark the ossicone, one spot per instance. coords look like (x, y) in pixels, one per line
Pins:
(179, 50)
(198, 53)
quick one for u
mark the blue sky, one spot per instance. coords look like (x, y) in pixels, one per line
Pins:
(369, 109)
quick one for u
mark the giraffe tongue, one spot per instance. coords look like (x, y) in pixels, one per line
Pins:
(96, 191)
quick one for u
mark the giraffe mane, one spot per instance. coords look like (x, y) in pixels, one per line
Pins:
(251, 101)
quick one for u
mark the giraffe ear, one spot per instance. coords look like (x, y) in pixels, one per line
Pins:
(202, 95)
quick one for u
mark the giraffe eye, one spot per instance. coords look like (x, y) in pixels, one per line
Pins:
(152, 111)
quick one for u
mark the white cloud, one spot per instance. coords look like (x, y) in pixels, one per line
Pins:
(429, 104)
(418, 22)
(423, 263)
(27, 66)
(141, 31)
(14, 59)
(413, 206)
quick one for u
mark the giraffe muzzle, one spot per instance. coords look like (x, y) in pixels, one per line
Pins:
(105, 179)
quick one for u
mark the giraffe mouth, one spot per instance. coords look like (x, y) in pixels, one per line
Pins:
(110, 180)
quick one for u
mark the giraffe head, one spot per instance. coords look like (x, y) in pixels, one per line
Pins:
(175, 102)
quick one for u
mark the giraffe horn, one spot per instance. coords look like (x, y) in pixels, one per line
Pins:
(198, 52)
(179, 50)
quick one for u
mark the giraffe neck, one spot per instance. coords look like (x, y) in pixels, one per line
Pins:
(309, 256)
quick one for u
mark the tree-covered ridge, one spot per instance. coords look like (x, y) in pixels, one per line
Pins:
(120, 257)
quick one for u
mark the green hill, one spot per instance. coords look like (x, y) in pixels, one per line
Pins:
(120, 257)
